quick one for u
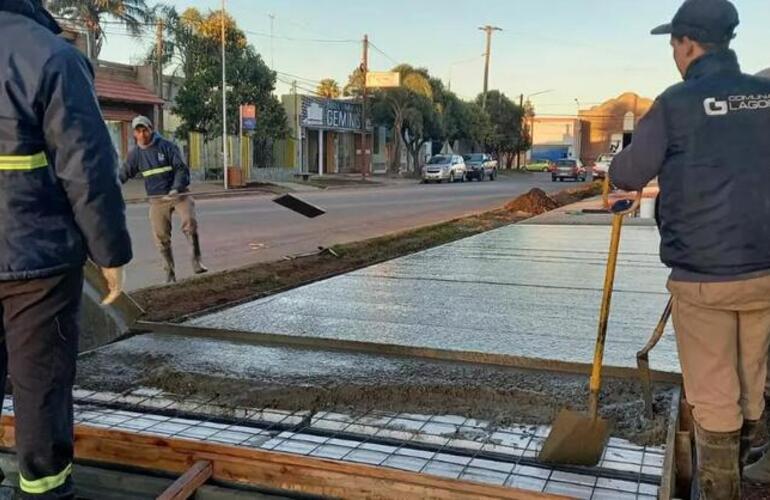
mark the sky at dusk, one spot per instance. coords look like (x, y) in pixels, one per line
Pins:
(580, 52)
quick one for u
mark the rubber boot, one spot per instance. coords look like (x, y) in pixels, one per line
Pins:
(719, 476)
(198, 267)
(168, 265)
(761, 443)
(748, 431)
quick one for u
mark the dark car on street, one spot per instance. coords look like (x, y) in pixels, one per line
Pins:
(568, 169)
(480, 166)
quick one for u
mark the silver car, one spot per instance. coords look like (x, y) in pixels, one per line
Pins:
(442, 168)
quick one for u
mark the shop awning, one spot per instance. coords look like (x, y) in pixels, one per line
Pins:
(111, 89)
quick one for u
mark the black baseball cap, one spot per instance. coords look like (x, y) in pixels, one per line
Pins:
(707, 21)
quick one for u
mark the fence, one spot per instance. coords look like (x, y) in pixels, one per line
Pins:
(261, 161)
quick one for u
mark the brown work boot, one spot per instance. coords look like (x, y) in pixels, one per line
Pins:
(719, 475)
(198, 267)
(168, 265)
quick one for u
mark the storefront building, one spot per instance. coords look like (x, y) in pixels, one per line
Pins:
(331, 135)
(555, 138)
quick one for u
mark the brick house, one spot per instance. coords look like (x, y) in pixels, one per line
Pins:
(610, 125)
(124, 91)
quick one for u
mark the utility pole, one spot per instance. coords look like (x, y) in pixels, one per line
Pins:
(159, 48)
(488, 29)
(521, 135)
(224, 98)
(298, 126)
(364, 143)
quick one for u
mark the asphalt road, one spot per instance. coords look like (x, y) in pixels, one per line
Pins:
(241, 231)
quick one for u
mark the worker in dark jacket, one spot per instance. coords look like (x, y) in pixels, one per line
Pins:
(706, 139)
(166, 180)
(759, 472)
(60, 202)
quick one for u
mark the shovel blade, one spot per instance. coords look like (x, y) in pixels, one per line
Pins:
(575, 439)
(300, 206)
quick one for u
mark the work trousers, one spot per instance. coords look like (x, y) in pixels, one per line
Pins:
(39, 332)
(723, 335)
(161, 211)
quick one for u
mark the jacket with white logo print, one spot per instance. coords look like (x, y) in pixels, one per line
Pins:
(160, 164)
(706, 139)
(59, 194)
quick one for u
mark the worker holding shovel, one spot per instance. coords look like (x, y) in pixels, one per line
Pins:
(166, 180)
(706, 141)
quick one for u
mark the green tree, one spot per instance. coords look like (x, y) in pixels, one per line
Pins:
(328, 88)
(400, 107)
(422, 123)
(355, 85)
(479, 124)
(250, 81)
(506, 135)
(91, 14)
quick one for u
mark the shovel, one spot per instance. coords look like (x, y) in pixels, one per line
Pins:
(643, 360)
(577, 438)
(124, 312)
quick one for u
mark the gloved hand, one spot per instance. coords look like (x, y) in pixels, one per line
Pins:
(115, 276)
(171, 195)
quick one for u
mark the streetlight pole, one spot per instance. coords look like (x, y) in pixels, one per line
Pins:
(224, 98)
(488, 29)
(365, 164)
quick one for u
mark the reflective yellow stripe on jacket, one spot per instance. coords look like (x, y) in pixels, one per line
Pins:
(18, 162)
(44, 484)
(156, 171)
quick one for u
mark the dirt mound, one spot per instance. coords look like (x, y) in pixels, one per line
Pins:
(535, 202)
(574, 195)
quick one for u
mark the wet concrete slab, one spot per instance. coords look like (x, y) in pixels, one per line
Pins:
(203, 373)
(526, 290)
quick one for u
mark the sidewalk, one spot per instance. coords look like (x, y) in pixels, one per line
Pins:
(352, 181)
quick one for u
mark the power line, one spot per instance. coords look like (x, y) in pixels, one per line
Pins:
(293, 82)
(383, 53)
(308, 80)
(106, 22)
(297, 39)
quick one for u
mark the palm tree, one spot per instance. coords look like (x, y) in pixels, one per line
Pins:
(328, 88)
(133, 14)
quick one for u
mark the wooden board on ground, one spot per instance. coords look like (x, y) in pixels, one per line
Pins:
(272, 470)
(186, 486)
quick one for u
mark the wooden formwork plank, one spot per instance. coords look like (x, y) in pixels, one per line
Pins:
(668, 484)
(184, 487)
(319, 343)
(278, 471)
